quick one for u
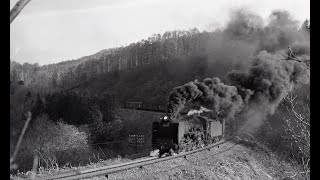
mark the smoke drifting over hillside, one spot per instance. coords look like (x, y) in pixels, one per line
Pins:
(279, 32)
(246, 34)
(272, 69)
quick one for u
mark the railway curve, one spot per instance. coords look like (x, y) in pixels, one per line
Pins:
(128, 165)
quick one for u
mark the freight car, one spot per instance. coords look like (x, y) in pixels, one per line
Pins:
(175, 136)
(133, 105)
(144, 106)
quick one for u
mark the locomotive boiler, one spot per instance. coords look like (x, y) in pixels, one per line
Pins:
(186, 134)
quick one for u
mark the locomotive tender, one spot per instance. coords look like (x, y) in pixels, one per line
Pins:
(175, 136)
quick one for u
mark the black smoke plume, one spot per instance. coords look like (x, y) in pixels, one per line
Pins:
(279, 32)
(223, 99)
(270, 78)
(247, 34)
(276, 56)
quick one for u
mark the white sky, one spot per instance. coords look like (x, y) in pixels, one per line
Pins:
(50, 31)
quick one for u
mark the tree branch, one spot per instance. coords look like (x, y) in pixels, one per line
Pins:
(17, 9)
(21, 137)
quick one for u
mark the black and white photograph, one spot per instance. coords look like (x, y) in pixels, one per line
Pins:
(159, 89)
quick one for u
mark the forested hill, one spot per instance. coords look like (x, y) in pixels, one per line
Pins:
(149, 69)
(148, 51)
(146, 70)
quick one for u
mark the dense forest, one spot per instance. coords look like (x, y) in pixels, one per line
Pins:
(71, 94)
(153, 50)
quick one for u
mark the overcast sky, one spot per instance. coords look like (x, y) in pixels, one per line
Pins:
(50, 31)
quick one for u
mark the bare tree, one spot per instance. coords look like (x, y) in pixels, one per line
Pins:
(13, 14)
(297, 128)
(17, 9)
(12, 158)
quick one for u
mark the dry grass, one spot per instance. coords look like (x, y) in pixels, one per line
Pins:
(241, 159)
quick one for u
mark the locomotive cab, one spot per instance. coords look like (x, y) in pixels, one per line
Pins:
(165, 135)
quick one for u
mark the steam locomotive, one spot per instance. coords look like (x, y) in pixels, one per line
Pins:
(173, 136)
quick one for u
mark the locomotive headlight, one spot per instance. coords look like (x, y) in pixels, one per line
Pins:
(165, 118)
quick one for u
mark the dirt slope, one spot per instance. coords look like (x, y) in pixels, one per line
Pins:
(232, 160)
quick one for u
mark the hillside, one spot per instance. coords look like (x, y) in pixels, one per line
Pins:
(233, 160)
(154, 49)
(164, 61)
(153, 83)
(239, 159)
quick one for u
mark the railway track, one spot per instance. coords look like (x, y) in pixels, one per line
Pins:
(125, 166)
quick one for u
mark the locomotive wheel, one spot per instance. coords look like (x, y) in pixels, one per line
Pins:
(193, 146)
(188, 148)
(171, 152)
(182, 147)
(176, 148)
(201, 144)
(217, 139)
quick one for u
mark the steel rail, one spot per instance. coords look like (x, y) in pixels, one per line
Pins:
(125, 166)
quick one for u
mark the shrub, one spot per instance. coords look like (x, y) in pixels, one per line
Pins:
(102, 131)
(53, 143)
(292, 142)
